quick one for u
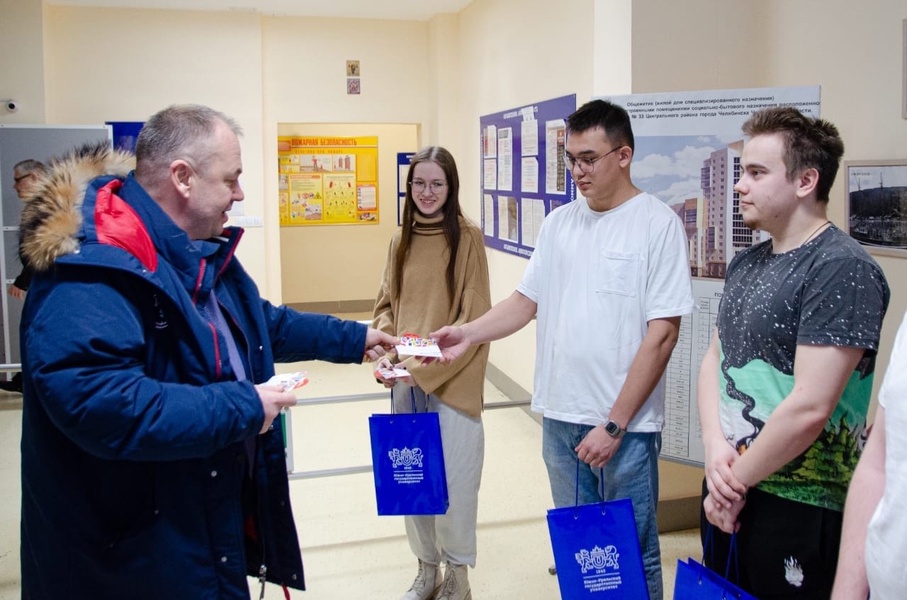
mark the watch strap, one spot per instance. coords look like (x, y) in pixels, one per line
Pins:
(614, 430)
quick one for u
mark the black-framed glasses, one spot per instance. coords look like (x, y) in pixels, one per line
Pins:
(586, 165)
(418, 186)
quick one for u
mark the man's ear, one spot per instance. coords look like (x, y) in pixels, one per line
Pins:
(626, 156)
(181, 174)
(807, 182)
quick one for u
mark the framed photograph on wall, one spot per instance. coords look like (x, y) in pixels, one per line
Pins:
(876, 205)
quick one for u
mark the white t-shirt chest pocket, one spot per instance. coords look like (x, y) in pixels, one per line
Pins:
(618, 273)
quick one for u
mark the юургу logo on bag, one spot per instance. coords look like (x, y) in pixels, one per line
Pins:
(406, 457)
(407, 465)
(598, 559)
(600, 568)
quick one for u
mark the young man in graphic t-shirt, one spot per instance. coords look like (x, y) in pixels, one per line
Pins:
(785, 386)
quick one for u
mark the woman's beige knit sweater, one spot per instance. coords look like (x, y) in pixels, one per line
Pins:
(423, 306)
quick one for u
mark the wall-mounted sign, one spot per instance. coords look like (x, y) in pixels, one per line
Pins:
(327, 180)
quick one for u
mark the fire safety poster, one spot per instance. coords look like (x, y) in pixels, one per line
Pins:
(327, 180)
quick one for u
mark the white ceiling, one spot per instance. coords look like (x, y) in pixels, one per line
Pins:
(408, 10)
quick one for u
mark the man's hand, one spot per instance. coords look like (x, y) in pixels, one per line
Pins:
(376, 344)
(16, 292)
(452, 341)
(723, 485)
(597, 447)
(272, 401)
(723, 518)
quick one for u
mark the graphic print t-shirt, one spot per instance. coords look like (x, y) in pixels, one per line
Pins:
(828, 292)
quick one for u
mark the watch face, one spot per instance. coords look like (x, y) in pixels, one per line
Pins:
(612, 428)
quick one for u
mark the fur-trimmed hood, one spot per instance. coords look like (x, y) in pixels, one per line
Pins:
(52, 212)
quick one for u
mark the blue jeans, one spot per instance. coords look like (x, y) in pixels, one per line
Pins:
(631, 473)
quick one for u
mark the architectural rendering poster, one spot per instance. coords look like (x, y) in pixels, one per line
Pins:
(688, 149)
(524, 176)
(327, 180)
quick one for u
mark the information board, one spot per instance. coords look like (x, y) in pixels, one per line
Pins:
(403, 160)
(524, 175)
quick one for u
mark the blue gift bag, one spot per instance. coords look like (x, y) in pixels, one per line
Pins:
(408, 463)
(695, 581)
(596, 551)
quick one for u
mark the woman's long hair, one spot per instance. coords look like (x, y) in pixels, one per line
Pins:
(451, 211)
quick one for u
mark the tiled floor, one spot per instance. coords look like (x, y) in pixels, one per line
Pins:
(350, 553)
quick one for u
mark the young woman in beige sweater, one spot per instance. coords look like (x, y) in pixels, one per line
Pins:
(437, 274)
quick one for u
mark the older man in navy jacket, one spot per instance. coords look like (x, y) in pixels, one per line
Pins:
(151, 464)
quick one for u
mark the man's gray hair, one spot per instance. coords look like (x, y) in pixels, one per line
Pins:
(184, 131)
(29, 166)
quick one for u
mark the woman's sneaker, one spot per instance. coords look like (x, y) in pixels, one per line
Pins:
(427, 582)
(456, 584)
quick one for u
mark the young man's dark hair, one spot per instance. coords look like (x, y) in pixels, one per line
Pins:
(809, 143)
(613, 119)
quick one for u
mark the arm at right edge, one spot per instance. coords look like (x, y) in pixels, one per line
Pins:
(865, 490)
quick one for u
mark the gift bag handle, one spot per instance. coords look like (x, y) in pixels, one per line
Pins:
(731, 553)
(601, 483)
(412, 396)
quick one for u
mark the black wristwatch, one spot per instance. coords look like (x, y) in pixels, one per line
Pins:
(614, 430)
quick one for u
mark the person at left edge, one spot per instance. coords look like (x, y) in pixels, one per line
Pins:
(26, 175)
(151, 464)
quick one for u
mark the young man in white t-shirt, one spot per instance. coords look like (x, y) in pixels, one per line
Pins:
(873, 557)
(608, 282)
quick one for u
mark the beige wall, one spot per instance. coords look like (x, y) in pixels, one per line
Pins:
(22, 62)
(124, 65)
(699, 45)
